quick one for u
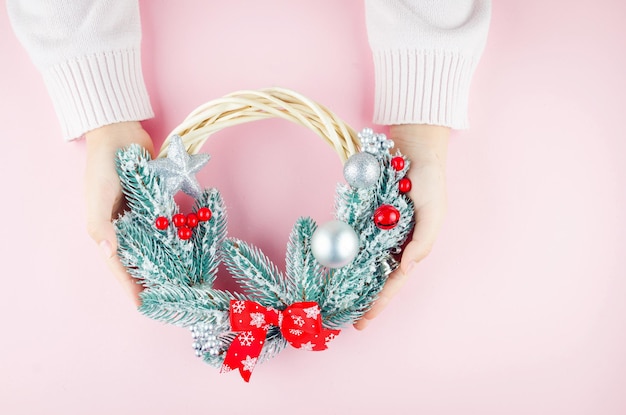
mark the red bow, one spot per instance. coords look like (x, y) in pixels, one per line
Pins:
(300, 324)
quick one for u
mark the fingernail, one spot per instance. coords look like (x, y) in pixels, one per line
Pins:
(410, 267)
(363, 323)
(107, 250)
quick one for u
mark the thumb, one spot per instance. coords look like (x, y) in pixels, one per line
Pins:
(102, 199)
(427, 226)
(103, 233)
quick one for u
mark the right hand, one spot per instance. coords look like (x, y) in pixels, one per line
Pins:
(427, 147)
(103, 192)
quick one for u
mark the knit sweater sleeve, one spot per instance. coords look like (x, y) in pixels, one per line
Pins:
(425, 53)
(89, 56)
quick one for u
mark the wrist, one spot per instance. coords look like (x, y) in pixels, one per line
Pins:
(118, 135)
(421, 141)
(126, 128)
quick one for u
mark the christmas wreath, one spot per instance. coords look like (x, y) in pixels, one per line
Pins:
(334, 271)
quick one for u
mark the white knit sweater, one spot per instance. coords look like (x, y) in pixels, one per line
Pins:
(425, 53)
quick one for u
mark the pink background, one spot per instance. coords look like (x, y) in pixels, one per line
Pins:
(520, 308)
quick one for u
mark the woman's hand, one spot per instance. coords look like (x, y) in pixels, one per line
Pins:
(426, 146)
(103, 191)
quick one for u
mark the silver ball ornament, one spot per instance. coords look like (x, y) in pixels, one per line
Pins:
(334, 244)
(361, 170)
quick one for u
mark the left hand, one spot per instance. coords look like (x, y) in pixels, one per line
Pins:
(426, 146)
(103, 192)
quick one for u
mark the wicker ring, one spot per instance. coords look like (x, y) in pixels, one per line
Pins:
(245, 106)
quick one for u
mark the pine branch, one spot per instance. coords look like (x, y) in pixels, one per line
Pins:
(344, 296)
(150, 256)
(353, 206)
(303, 270)
(182, 305)
(383, 241)
(208, 238)
(256, 273)
(140, 186)
(350, 290)
(345, 307)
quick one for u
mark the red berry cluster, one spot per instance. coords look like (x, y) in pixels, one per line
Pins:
(184, 223)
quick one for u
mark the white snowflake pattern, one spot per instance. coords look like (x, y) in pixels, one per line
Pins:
(312, 312)
(246, 338)
(258, 319)
(296, 332)
(308, 346)
(330, 338)
(248, 363)
(298, 321)
(238, 307)
(226, 368)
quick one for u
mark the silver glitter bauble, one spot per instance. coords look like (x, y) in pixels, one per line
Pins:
(361, 170)
(334, 244)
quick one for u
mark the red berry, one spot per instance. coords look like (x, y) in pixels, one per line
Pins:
(161, 223)
(405, 185)
(386, 217)
(397, 163)
(192, 220)
(184, 233)
(179, 220)
(204, 214)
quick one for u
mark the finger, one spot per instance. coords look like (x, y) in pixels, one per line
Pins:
(129, 284)
(103, 234)
(395, 281)
(102, 199)
(425, 232)
(427, 225)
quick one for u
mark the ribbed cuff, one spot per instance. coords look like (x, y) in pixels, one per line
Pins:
(92, 91)
(422, 87)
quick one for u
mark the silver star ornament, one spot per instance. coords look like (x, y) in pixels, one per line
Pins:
(177, 171)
